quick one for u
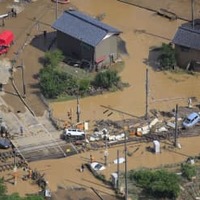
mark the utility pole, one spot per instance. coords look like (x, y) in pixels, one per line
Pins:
(106, 156)
(106, 148)
(147, 94)
(78, 111)
(118, 170)
(192, 2)
(15, 169)
(56, 9)
(126, 164)
(23, 81)
(176, 126)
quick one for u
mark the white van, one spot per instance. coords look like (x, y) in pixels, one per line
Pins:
(74, 134)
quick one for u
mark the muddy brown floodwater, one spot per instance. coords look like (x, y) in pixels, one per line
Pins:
(142, 30)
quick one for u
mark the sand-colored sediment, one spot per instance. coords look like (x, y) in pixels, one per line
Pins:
(142, 30)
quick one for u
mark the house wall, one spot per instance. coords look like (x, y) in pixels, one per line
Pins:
(107, 50)
(185, 56)
(74, 48)
(71, 47)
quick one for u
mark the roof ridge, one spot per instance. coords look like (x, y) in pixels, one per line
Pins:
(190, 29)
(79, 17)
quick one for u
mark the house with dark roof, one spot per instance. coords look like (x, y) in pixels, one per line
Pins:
(86, 39)
(187, 46)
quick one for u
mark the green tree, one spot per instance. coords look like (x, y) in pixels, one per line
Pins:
(106, 79)
(84, 85)
(165, 184)
(167, 57)
(54, 83)
(14, 196)
(142, 177)
(33, 197)
(188, 170)
(158, 183)
(53, 58)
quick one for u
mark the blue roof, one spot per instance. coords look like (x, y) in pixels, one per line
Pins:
(188, 37)
(83, 27)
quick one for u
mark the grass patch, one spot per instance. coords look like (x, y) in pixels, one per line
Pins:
(76, 72)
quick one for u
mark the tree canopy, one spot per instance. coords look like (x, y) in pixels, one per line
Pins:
(167, 57)
(106, 79)
(159, 183)
(188, 170)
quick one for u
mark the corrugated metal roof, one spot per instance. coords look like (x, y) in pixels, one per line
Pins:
(83, 27)
(188, 37)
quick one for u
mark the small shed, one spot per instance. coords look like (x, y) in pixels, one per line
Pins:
(156, 145)
(86, 39)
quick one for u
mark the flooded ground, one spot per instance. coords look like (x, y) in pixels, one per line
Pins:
(141, 31)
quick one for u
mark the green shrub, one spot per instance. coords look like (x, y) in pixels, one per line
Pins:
(167, 58)
(188, 171)
(159, 183)
(106, 79)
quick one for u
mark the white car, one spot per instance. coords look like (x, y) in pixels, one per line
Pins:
(95, 166)
(191, 120)
(94, 137)
(74, 132)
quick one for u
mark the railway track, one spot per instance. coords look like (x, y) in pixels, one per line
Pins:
(170, 135)
(9, 159)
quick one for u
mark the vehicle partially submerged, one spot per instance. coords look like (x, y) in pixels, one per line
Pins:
(191, 120)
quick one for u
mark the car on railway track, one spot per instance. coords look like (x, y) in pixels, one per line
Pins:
(74, 134)
(191, 120)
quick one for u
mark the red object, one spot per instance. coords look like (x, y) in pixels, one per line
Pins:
(100, 59)
(6, 40)
(3, 49)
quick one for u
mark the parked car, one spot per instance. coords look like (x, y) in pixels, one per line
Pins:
(191, 120)
(5, 143)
